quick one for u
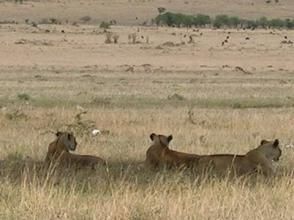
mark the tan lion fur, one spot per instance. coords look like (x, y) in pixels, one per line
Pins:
(160, 155)
(256, 160)
(59, 151)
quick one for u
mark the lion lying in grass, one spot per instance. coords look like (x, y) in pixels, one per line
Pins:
(256, 160)
(59, 152)
(159, 154)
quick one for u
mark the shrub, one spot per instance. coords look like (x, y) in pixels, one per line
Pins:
(54, 21)
(186, 21)
(250, 24)
(224, 20)
(16, 115)
(23, 97)
(277, 23)
(50, 21)
(289, 24)
(80, 126)
(172, 19)
(18, 1)
(200, 20)
(113, 22)
(234, 21)
(167, 18)
(86, 19)
(262, 22)
(105, 25)
(220, 21)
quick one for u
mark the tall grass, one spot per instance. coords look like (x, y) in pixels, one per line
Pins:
(126, 190)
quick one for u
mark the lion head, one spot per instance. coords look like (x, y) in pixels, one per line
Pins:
(67, 139)
(161, 139)
(271, 149)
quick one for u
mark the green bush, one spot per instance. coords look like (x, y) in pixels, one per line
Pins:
(86, 19)
(234, 21)
(289, 24)
(201, 20)
(227, 21)
(263, 22)
(220, 21)
(105, 25)
(24, 97)
(179, 20)
(277, 23)
(18, 1)
(251, 24)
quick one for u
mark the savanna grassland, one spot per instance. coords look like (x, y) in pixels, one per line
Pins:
(212, 98)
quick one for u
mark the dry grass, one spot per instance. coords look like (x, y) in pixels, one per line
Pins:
(208, 109)
(127, 191)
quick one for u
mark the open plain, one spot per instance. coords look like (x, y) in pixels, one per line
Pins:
(212, 98)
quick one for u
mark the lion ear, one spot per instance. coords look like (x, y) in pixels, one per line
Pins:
(276, 143)
(152, 136)
(169, 138)
(58, 133)
(263, 142)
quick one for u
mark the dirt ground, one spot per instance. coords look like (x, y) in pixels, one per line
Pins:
(135, 12)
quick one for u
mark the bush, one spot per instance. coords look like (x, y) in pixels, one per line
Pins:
(50, 21)
(250, 24)
(23, 97)
(18, 1)
(234, 21)
(289, 24)
(86, 19)
(220, 21)
(168, 18)
(263, 22)
(224, 20)
(105, 25)
(201, 20)
(277, 23)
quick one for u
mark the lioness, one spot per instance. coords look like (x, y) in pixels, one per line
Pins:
(59, 151)
(159, 154)
(259, 159)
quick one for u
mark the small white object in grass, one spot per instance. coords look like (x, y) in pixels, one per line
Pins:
(3, 109)
(289, 146)
(96, 131)
(80, 108)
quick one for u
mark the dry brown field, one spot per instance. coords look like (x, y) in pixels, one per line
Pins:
(212, 98)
